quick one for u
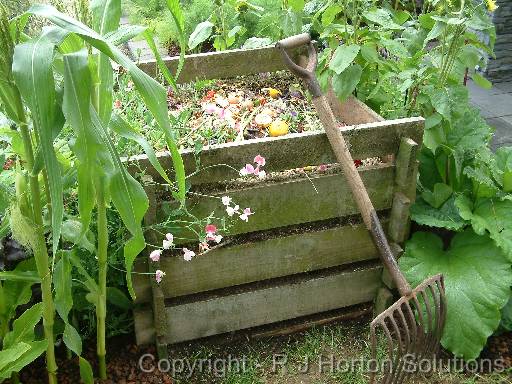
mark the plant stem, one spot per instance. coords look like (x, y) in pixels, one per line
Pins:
(101, 307)
(40, 251)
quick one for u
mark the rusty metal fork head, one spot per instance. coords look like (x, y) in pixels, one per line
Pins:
(412, 327)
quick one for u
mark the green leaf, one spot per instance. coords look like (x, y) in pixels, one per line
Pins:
(346, 83)
(481, 81)
(179, 20)
(87, 148)
(490, 216)
(343, 57)
(257, 42)
(153, 93)
(33, 72)
(447, 216)
(506, 316)
(477, 277)
(436, 198)
(159, 61)
(35, 349)
(124, 129)
(504, 162)
(73, 231)
(10, 355)
(86, 374)
(116, 297)
(72, 339)
(296, 5)
(382, 17)
(330, 14)
(23, 326)
(202, 32)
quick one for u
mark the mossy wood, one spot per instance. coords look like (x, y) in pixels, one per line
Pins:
(305, 250)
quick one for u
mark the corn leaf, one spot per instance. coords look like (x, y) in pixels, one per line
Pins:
(153, 93)
(33, 73)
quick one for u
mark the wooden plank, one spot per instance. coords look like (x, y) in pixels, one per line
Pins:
(351, 111)
(294, 201)
(407, 166)
(144, 325)
(287, 152)
(399, 219)
(264, 306)
(222, 65)
(260, 260)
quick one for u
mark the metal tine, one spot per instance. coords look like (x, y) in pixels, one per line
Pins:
(407, 343)
(400, 347)
(437, 318)
(374, 331)
(430, 327)
(411, 329)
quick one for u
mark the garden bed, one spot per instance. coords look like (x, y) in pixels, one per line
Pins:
(304, 251)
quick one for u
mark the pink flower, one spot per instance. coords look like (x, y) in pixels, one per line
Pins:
(188, 254)
(117, 104)
(260, 160)
(203, 247)
(245, 215)
(211, 108)
(158, 275)
(210, 228)
(247, 170)
(155, 255)
(226, 200)
(232, 210)
(322, 167)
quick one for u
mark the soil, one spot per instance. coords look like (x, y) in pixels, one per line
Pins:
(124, 355)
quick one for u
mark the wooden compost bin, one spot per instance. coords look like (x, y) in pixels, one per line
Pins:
(305, 251)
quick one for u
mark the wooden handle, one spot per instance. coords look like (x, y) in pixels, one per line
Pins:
(294, 41)
(370, 218)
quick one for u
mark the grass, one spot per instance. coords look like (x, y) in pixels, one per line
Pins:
(281, 360)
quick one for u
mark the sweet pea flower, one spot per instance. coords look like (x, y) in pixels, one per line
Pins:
(226, 200)
(262, 174)
(322, 167)
(218, 238)
(158, 275)
(188, 254)
(155, 255)
(210, 230)
(168, 241)
(117, 104)
(260, 160)
(232, 210)
(245, 215)
(247, 170)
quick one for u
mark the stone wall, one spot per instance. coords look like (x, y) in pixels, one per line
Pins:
(500, 69)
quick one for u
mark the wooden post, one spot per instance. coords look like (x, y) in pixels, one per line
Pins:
(158, 299)
(404, 195)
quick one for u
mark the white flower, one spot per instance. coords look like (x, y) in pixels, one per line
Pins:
(262, 174)
(155, 255)
(218, 238)
(226, 200)
(247, 170)
(188, 254)
(158, 275)
(168, 241)
(245, 215)
(232, 210)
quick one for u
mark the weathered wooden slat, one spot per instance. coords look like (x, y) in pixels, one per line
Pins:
(260, 260)
(222, 65)
(288, 152)
(264, 306)
(352, 111)
(294, 201)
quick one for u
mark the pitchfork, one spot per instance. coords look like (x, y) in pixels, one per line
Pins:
(413, 326)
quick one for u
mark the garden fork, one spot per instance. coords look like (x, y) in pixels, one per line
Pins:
(413, 326)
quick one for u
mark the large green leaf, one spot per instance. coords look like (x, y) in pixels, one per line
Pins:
(33, 73)
(343, 57)
(382, 17)
(202, 32)
(23, 326)
(179, 20)
(87, 147)
(478, 278)
(62, 280)
(34, 350)
(153, 93)
(491, 216)
(106, 15)
(346, 83)
(124, 129)
(446, 216)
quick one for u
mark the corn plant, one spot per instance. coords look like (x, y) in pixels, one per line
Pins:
(68, 82)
